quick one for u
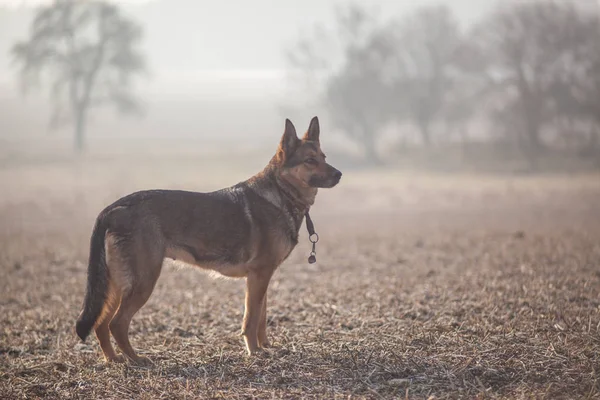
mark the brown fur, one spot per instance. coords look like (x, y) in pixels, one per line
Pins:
(244, 231)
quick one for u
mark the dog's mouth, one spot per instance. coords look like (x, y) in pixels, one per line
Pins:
(325, 182)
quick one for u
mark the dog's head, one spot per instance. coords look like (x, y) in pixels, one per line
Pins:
(301, 161)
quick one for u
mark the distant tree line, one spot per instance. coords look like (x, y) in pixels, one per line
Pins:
(529, 70)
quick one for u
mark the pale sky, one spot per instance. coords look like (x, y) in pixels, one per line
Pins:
(237, 36)
(209, 60)
(35, 2)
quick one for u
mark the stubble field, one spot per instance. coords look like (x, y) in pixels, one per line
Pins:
(426, 287)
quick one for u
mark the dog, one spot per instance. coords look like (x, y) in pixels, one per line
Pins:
(244, 231)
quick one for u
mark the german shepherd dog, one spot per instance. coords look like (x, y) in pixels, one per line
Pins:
(244, 231)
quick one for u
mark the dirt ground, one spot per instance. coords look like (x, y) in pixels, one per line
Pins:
(426, 287)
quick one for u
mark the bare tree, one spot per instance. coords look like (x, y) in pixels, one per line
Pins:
(359, 98)
(426, 58)
(384, 73)
(341, 69)
(531, 46)
(89, 51)
(470, 86)
(575, 89)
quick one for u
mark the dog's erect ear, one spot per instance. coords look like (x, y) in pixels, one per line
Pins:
(289, 140)
(313, 130)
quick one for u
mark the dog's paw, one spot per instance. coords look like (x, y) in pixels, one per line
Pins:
(259, 352)
(142, 361)
(251, 352)
(266, 353)
(120, 359)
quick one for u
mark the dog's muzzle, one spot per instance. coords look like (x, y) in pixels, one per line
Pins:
(337, 175)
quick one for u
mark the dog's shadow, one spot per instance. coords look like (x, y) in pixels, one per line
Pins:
(368, 370)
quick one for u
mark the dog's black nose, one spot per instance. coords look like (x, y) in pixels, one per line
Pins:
(337, 175)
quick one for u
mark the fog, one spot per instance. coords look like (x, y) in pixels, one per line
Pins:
(225, 75)
(215, 71)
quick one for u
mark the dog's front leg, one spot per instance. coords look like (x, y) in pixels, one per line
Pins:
(263, 341)
(257, 283)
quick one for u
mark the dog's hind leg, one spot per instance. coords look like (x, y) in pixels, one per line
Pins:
(119, 326)
(257, 283)
(102, 330)
(137, 269)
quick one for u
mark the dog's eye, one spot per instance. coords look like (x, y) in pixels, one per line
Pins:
(311, 161)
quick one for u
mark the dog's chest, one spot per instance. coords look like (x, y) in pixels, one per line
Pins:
(282, 247)
(269, 247)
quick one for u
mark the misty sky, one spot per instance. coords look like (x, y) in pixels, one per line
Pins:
(235, 38)
(215, 64)
(208, 60)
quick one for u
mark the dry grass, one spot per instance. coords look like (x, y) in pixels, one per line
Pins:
(445, 287)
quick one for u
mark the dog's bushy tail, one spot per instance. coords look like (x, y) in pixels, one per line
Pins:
(97, 282)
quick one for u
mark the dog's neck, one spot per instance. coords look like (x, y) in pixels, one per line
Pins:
(300, 198)
(282, 192)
